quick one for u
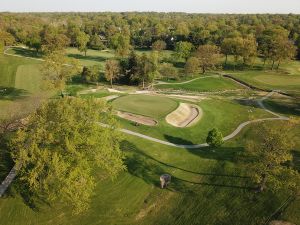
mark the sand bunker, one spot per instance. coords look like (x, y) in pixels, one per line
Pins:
(185, 115)
(110, 97)
(137, 118)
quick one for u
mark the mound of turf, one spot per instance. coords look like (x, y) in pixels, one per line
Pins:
(151, 106)
(204, 84)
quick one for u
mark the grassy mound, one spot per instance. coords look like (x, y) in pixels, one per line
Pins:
(145, 105)
(204, 84)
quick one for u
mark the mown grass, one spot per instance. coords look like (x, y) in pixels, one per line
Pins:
(209, 186)
(204, 84)
(153, 106)
(225, 115)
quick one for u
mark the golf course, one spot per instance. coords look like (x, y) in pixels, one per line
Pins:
(87, 134)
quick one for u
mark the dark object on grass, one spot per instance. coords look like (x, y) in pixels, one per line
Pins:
(165, 180)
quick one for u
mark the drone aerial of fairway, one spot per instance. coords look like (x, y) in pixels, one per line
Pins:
(208, 184)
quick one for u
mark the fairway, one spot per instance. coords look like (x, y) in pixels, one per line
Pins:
(204, 84)
(163, 113)
(151, 106)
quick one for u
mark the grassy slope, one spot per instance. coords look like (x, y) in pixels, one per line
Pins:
(287, 78)
(205, 84)
(152, 106)
(208, 187)
(223, 114)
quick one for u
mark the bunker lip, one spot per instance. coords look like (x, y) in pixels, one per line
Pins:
(185, 115)
(148, 121)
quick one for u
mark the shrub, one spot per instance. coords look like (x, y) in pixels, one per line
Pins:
(214, 138)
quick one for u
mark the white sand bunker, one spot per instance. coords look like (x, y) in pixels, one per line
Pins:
(137, 118)
(185, 115)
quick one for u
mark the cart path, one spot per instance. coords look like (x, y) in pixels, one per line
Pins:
(12, 174)
(228, 137)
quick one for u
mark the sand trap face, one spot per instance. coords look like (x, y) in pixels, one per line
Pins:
(137, 118)
(185, 115)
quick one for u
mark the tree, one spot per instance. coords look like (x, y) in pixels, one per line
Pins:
(53, 40)
(249, 49)
(183, 50)
(57, 69)
(61, 146)
(159, 45)
(148, 67)
(96, 42)
(121, 43)
(282, 49)
(191, 66)
(34, 41)
(6, 39)
(182, 29)
(267, 158)
(169, 71)
(227, 48)
(90, 74)
(214, 138)
(82, 40)
(237, 45)
(112, 70)
(208, 56)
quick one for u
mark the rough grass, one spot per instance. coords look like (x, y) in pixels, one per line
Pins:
(204, 84)
(286, 78)
(208, 187)
(151, 106)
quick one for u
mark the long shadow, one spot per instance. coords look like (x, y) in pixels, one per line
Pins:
(177, 140)
(288, 108)
(215, 185)
(149, 169)
(182, 169)
(11, 93)
(90, 58)
(27, 52)
(247, 102)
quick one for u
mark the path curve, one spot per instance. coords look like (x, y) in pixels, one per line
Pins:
(184, 82)
(228, 137)
(12, 174)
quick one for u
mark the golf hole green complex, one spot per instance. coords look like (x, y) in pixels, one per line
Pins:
(144, 108)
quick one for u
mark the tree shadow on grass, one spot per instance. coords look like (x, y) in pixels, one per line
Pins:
(88, 58)
(149, 169)
(11, 93)
(177, 140)
(27, 52)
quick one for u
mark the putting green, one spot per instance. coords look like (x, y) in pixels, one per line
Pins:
(152, 106)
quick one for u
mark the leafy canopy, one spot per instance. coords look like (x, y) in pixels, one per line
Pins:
(60, 148)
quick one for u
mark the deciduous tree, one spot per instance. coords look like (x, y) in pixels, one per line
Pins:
(267, 158)
(112, 70)
(82, 40)
(61, 146)
(57, 69)
(191, 66)
(183, 50)
(208, 56)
